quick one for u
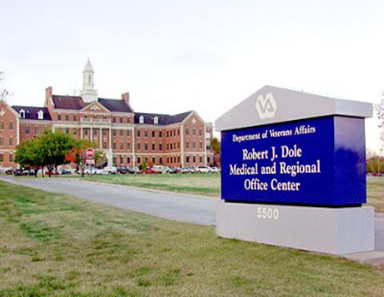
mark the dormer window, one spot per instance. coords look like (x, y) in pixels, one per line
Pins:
(40, 115)
(141, 119)
(156, 120)
(22, 113)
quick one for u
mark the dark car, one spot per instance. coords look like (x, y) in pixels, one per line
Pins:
(65, 171)
(122, 170)
(17, 172)
(9, 172)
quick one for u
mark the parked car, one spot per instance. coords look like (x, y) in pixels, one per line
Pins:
(17, 172)
(148, 170)
(185, 170)
(215, 170)
(203, 169)
(27, 172)
(123, 170)
(65, 171)
(4, 170)
(161, 169)
(53, 172)
(9, 171)
(134, 170)
(110, 170)
(173, 170)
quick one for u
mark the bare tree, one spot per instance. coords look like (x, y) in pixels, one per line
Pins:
(3, 92)
(379, 108)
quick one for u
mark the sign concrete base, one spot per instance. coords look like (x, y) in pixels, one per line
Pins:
(335, 231)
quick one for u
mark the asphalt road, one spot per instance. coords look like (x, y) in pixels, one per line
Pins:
(175, 206)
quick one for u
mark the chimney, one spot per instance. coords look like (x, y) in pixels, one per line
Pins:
(48, 93)
(125, 97)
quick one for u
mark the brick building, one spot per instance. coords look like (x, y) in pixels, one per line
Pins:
(128, 138)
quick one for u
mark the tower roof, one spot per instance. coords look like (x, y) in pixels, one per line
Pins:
(88, 67)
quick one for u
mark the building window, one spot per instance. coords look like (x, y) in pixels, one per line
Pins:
(153, 160)
(146, 133)
(121, 120)
(104, 132)
(178, 132)
(138, 133)
(146, 146)
(161, 161)
(114, 161)
(171, 132)
(187, 159)
(160, 147)
(187, 145)
(22, 114)
(1, 140)
(27, 129)
(141, 119)
(104, 144)
(153, 133)
(114, 145)
(194, 159)
(10, 141)
(138, 146)
(40, 115)
(128, 146)
(67, 117)
(138, 160)
(208, 148)
(201, 145)
(208, 160)
(128, 160)
(59, 117)
(160, 134)
(127, 133)
(153, 147)
(75, 117)
(11, 125)
(201, 159)
(156, 120)
(10, 157)
(187, 131)
(94, 133)
(114, 132)
(121, 146)
(113, 120)
(121, 160)
(1, 157)
(178, 159)
(74, 131)
(201, 132)
(86, 132)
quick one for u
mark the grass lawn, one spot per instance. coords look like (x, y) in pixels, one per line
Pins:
(209, 184)
(203, 184)
(376, 192)
(53, 244)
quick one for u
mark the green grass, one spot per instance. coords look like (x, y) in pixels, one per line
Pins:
(201, 184)
(57, 245)
(376, 193)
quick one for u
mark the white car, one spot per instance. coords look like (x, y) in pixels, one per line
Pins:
(204, 169)
(215, 170)
(93, 171)
(110, 170)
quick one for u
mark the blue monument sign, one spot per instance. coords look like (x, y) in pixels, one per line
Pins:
(317, 161)
(293, 172)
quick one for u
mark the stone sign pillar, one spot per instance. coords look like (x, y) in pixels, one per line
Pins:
(293, 172)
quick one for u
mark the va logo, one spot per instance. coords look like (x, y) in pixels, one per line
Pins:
(266, 106)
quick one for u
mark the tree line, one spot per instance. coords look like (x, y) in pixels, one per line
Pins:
(51, 149)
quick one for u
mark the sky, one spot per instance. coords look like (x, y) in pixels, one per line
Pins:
(174, 56)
